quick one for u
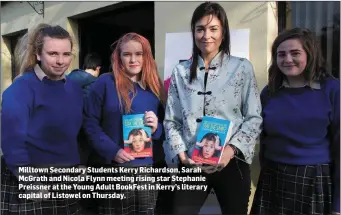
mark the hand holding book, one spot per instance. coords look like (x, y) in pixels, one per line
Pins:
(226, 157)
(122, 157)
(185, 160)
(150, 119)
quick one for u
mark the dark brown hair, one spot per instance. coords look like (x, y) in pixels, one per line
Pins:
(315, 68)
(205, 9)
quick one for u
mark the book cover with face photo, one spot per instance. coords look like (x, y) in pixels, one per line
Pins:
(137, 136)
(211, 138)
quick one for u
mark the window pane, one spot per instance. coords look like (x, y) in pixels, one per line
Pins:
(324, 19)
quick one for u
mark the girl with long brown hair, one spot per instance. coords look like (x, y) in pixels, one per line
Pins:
(134, 87)
(300, 142)
(42, 113)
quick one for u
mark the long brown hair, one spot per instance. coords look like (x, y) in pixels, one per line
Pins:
(149, 74)
(315, 69)
(32, 43)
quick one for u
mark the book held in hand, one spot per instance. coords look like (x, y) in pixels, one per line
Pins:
(212, 136)
(137, 136)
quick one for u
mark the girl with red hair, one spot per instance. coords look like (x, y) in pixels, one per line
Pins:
(134, 87)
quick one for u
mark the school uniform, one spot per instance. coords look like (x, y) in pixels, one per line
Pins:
(300, 150)
(228, 91)
(40, 121)
(103, 126)
(88, 155)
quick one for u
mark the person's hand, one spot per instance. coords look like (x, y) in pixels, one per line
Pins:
(188, 162)
(209, 169)
(217, 143)
(129, 141)
(185, 160)
(150, 119)
(228, 154)
(123, 156)
(144, 136)
(200, 144)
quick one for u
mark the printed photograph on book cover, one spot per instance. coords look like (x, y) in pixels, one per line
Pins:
(212, 136)
(209, 148)
(137, 136)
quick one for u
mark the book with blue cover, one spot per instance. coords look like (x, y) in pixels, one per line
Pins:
(211, 138)
(137, 136)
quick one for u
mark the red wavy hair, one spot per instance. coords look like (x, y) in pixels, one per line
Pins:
(149, 77)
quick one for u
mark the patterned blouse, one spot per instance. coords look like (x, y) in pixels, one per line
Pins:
(231, 93)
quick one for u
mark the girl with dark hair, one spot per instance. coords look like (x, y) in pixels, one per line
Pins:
(41, 116)
(213, 83)
(300, 143)
(133, 87)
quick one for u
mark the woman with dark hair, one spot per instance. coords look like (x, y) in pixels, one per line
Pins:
(300, 143)
(213, 83)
